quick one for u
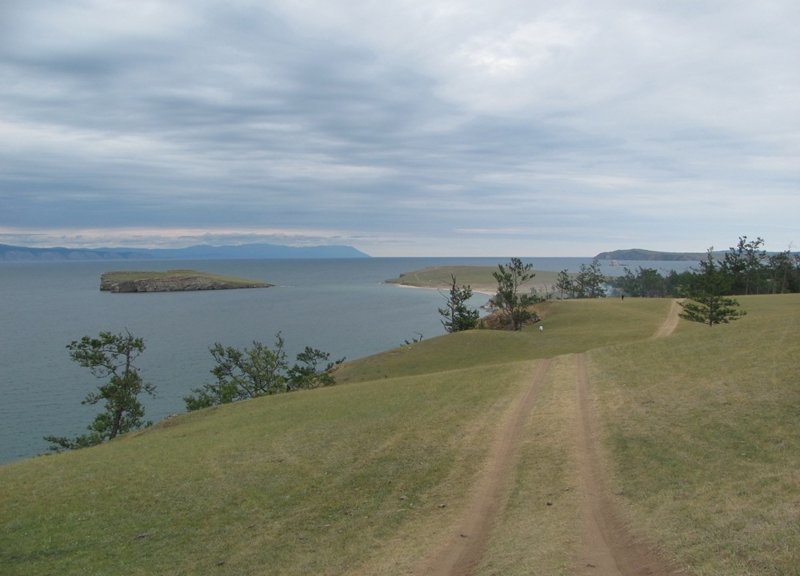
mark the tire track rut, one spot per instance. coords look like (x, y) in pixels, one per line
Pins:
(607, 546)
(465, 545)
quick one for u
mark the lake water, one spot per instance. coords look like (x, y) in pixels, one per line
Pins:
(339, 306)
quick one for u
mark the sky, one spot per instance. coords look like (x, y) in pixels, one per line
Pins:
(403, 128)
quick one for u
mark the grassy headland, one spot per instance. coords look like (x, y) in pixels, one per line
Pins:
(479, 278)
(700, 431)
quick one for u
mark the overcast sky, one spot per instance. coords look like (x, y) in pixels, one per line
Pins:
(401, 127)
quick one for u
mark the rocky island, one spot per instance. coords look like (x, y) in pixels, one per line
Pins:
(172, 281)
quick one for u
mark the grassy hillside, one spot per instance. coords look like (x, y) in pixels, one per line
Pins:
(311, 482)
(704, 431)
(569, 326)
(701, 430)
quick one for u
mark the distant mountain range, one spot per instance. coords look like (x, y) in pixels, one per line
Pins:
(202, 252)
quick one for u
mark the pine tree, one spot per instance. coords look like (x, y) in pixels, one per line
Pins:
(456, 315)
(109, 356)
(512, 304)
(708, 302)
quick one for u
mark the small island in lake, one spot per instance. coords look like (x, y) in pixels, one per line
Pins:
(172, 281)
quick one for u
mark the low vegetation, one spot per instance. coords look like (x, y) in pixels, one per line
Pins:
(261, 371)
(110, 357)
(588, 282)
(700, 431)
(239, 375)
(746, 267)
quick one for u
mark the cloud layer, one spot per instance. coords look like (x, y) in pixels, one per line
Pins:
(404, 128)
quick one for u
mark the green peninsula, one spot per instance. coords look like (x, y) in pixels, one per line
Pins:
(172, 281)
(479, 278)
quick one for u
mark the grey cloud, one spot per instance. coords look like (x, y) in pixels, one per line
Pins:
(380, 120)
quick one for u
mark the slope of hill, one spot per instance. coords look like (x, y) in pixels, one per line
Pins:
(463, 450)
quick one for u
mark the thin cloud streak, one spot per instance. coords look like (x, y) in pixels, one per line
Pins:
(432, 129)
(153, 237)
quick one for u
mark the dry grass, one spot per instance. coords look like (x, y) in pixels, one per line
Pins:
(312, 482)
(704, 432)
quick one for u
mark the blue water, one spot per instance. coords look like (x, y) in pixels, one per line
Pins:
(339, 306)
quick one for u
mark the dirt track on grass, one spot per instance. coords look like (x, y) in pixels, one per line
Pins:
(607, 548)
(466, 542)
(669, 325)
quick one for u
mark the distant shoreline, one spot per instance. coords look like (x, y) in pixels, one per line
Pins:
(646, 255)
(10, 253)
(484, 291)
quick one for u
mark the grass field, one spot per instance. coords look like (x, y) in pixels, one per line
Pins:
(704, 431)
(701, 431)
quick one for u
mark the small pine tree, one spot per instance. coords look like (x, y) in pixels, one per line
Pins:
(456, 315)
(589, 281)
(708, 303)
(512, 304)
(565, 285)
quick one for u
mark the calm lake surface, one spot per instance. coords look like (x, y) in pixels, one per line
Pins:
(339, 306)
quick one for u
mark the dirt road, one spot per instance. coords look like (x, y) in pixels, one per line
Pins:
(671, 322)
(466, 542)
(606, 547)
